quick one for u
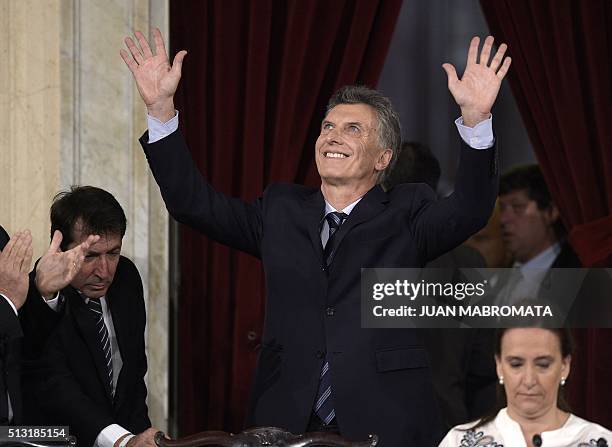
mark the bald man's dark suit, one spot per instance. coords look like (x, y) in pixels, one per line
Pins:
(380, 377)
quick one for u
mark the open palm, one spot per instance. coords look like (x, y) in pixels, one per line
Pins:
(476, 91)
(156, 79)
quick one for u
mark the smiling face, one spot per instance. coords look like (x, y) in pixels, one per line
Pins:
(532, 366)
(98, 269)
(348, 150)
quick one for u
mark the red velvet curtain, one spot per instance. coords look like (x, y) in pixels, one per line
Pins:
(255, 83)
(561, 77)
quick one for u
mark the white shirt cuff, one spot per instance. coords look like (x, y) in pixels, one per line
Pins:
(53, 303)
(478, 137)
(10, 303)
(109, 435)
(159, 130)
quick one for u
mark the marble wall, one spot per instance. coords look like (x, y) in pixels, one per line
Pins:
(71, 115)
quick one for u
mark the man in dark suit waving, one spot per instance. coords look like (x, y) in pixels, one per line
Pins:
(84, 333)
(318, 368)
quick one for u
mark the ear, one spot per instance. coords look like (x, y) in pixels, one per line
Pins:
(553, 213)
(383, 160)
(498, 366)
(566, 366)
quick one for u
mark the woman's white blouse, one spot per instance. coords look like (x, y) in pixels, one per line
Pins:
(505, 432)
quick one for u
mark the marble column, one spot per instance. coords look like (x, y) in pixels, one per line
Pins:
(72, 115)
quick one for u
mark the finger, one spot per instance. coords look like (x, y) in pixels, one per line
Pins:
(91, 239)
(486, 51)
(146, 49)
(501, 73)
(177, 63)
(8, 248)
(56, 241)
(25, 242)
(27, 261)
(132, 65)
(451, 73)
(136, 54)
(17, 251)
(160, 47)
(497, 60)
(473, 51)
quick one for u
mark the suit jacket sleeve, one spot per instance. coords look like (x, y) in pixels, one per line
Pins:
(192, 201)
(442, 225)
(38, 320)
(9, 323)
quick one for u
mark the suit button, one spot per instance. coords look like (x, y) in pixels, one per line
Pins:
(320, 354)
(330, 311)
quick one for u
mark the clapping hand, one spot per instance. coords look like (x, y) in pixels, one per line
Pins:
(56, 269)
(476, 91)
(156, 79)
(15, 262)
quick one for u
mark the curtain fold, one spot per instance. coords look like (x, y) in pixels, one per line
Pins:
(255, 83)
(561, 77)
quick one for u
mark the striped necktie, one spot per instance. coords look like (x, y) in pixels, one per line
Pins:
(324, 404)
(95, 308)
(334, 220)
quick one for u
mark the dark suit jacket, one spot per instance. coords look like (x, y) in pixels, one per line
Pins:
(380, 377)
(64, 383)
(10, 337)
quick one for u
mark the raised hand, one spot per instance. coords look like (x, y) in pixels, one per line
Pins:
(57, 269)
(15, 262)
(476, 91)
(155, 78)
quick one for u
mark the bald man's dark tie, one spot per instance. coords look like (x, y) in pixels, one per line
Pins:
(324, 403)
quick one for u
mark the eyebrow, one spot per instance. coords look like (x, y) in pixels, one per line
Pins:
(541, 357)
(94, 252)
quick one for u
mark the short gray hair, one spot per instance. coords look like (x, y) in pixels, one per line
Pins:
(390, 132)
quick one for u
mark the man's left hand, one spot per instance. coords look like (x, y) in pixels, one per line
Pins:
(476, 91)
(15, 262)
(56, 269)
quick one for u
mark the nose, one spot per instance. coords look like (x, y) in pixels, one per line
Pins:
(102, 266)
(530, 378)
(333, 136)
(505, 215)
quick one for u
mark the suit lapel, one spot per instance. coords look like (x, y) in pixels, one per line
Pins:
(87, 326)
(314, 210)
(372, 204)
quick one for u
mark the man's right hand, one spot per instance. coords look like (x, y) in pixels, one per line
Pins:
(57, 269)
(155, 78)
(15, 262)
(144, 439)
